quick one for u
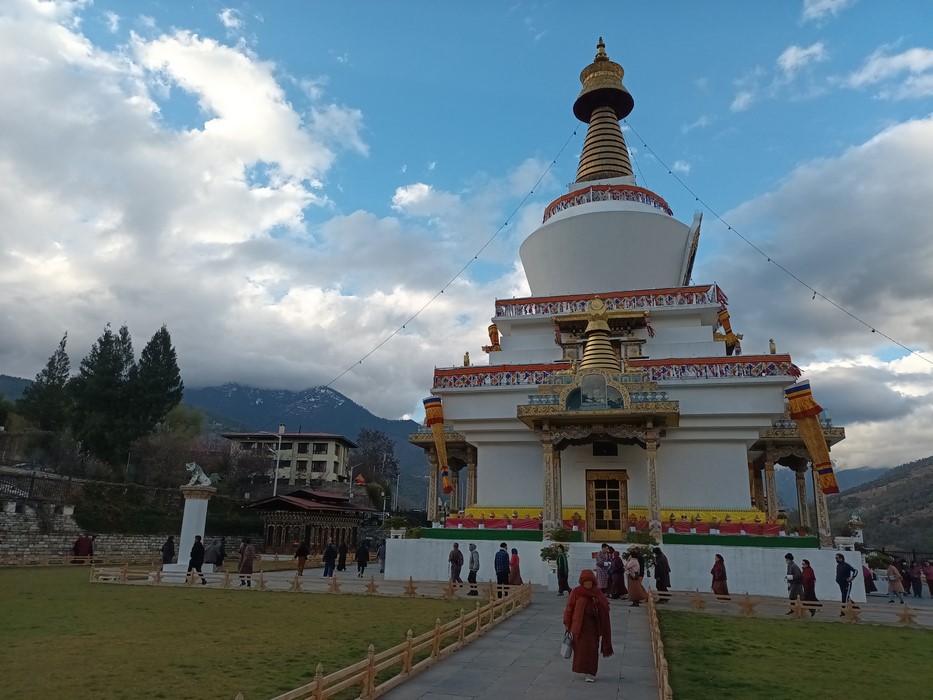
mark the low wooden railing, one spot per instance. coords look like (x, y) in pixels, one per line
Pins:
(100, 559)
(657, 648)
(435, 645)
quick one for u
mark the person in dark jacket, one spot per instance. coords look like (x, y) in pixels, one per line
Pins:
(794, 580)
(501, 565)
(362, 559)
(342, 556)
(168, 550)
(662, 573)
(330, 559)
(196, 561)
(845, 575)
(301, 554)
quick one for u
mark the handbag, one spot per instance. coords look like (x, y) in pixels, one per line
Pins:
(566, 646)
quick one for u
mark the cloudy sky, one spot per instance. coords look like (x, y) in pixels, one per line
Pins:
(286, 184)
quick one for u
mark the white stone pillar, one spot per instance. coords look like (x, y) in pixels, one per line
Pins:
(192, 523)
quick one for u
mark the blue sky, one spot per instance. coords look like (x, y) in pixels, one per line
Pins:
(285, 183)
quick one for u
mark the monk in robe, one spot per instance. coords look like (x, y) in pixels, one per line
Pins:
(586, 617)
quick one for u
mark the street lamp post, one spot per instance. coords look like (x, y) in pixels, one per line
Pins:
(278, 456)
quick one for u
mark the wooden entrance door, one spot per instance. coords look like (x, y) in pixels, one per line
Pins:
(606, 505)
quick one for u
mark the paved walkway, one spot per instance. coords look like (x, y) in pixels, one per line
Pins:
(519, 659)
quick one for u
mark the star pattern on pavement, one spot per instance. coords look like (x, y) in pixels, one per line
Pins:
(850, 612)
(747, 606)
(697, 602)
(334, 586)
(906, 617)
(371, 587)
(410, 588)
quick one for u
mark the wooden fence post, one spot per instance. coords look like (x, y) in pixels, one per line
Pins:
(122, 572)
(408, 654)
(319, 683)
(462, 627)
(369, 680)
(436, 648)
(479, 618)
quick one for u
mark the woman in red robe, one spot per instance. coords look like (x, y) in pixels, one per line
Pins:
(617, 587)
(720, 587)
(515, 571)
(586, 617)
(809, 585)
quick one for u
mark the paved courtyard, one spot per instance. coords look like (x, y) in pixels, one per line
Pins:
(519, 659)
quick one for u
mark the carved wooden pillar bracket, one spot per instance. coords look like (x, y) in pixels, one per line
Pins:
(654, 499)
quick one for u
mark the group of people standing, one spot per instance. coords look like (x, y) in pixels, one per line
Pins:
(801, 581)
(508, 568)
(335, 558)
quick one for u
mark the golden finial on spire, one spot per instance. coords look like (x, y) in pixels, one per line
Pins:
(602, 102)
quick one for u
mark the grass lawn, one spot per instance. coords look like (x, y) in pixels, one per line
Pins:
(715, 657)
(66, 638)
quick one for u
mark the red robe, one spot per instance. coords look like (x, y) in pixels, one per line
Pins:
(587, 618)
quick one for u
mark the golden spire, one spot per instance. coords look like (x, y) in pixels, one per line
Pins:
(603, 101)
(598, 353)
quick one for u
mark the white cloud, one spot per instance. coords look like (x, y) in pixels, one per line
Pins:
(113, 21)
(681, 166)
(743, 100)
(816, 10)
(230, 18)
(863, 243)
(431, 165)
(700, 122)
(419, 199)
(904, 75)
(793, 58)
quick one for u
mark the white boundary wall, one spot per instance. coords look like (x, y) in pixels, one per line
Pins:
(755, 570)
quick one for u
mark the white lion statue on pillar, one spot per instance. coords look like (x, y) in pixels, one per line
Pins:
(198, 477)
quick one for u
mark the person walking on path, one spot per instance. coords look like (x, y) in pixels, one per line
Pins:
(895, 583)
(563, 571)
(794, 578)
(474, 569)
(362, 559)
(845, 575)
(603, 564)
(381, 556)
(586, 617)
(662, 574)
(455, 562)
(245, 569)
(869, 578)
(212, 553)
(928, 573)
(501, 565)
(808, 578)
(301, 554)
(168, 550)
(330, 559)
(617, 588)
(916, 582)
(720, 584)
(515, 570)
(636, 590)
(342, 551)
(196, 561)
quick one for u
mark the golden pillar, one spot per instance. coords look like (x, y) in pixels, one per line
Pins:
(654, 500)
(432, 484)
(803, 505)
(552, 519)
(771, 499)
(471, 477)
(823, 528)
(759, 490)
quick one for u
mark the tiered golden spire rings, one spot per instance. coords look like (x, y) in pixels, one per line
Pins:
(598, 352)
(602, 102)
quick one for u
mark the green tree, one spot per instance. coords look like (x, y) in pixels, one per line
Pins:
(374, 456)
(103, 418)
(156, 383)
(6, 410)
(158, 458)
(46, 402)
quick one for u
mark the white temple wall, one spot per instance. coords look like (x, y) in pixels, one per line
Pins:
(703, 476)
(760, 398)
(426, 560)
(577, 459)
(510, 474)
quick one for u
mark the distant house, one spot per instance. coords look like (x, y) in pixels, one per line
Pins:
(308, 514)
(303, 458)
